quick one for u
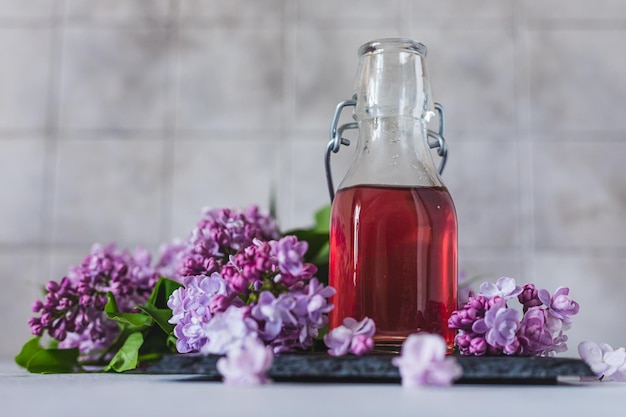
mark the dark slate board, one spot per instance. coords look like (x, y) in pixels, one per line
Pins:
(320, 367)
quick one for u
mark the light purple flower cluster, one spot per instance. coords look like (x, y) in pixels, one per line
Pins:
(72, 311)
(487, 326)
(607, 363)
(264, 291)
(219, 234)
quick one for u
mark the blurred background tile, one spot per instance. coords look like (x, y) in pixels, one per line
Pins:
(325, 67)
(580, 194)
(24, 77)
(20, 9)
(425, 10)
(21, 188)
(19, 270)
(230, 79)
(233, 13)
(345, 12)
(114, 79)
(109, 191)
(232, 172)
(485, 193)
(598, 285)
(472, 73)
(118, 10)
(582, 10)
(576, 80)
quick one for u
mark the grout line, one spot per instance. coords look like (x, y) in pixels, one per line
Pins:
(170, 124)
(53, 123)
(526, 223)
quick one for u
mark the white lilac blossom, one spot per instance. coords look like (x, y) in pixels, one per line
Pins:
(423, 361)
(607, 363)
(505, 287)
(246, 364)
(489, 326)
(353, 336)
(265, 290)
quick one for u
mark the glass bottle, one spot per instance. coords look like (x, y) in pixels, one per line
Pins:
(393, 234)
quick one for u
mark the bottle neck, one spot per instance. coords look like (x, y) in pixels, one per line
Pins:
(392, 151)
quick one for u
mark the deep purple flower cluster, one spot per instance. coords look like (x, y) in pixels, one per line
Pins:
(219, 234)
(264, 291)
(487, 326)
(72, 311)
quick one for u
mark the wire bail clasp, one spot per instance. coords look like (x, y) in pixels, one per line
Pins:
(336, 140)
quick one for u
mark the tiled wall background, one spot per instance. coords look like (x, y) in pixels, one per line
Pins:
(120, 119)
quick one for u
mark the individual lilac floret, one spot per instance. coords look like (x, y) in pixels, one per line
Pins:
(340, 340)
(529, 297)
(247, 364)
(289, 252)
(73, 309)
(505, 287)
(534, 335)
(228, 330)
(607, 363)
(499, 325)
(423, 361)
(560, 305)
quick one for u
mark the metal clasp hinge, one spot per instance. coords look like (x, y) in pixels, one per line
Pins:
(336, 140)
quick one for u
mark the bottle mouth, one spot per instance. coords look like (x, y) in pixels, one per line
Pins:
(403, 44)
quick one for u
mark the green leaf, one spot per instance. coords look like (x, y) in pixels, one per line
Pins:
(127, 357)
(160, 316)
(131, 321)
(36, 359)
(162, 291)
(54, 361)
(30, 349)
(322, 219)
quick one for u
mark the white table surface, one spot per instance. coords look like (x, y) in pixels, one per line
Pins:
(86, 395)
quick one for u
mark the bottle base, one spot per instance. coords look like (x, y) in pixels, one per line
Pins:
(393, 344)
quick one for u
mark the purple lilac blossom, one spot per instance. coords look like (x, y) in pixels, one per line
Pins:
(284, 317)
(73, 309)
(560, 305)
(505, 287)
(193, 307)
(340, 340)
(607, 363)
(219, 234)
(289, 253)
(529, 297)
(247, 364)
(423, 361)
(499, 325)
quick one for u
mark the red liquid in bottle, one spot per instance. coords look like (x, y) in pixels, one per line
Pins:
(393, 258)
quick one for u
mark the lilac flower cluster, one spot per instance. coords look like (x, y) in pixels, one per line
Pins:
(219, 234)
(487, 326)
(264, 291)
(72, 311)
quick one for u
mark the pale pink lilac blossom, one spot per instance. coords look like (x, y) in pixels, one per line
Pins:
(423, 362)
(246, 364)
(607, 363)
(353, 336)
